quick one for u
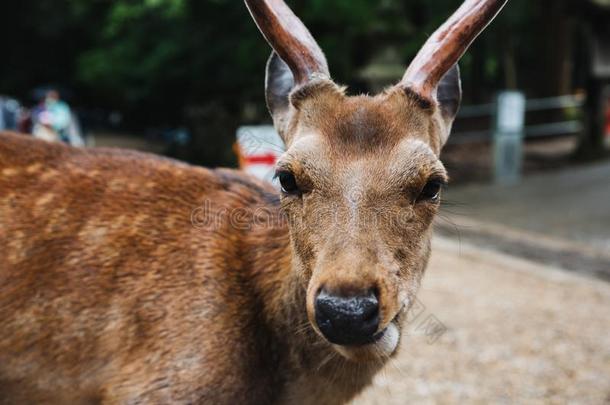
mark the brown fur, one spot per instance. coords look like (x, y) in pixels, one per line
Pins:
(113, 290)
(109, 293)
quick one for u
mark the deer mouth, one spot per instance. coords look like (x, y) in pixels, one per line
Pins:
(387, 332)
(382, 345)
(387, 342)
(381, 348)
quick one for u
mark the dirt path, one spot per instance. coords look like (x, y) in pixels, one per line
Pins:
(516, 332)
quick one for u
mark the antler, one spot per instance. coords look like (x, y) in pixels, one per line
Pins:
(447, 45)
(289, 37)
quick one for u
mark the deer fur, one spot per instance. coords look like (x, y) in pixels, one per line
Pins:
(127, 278)
(111, 293)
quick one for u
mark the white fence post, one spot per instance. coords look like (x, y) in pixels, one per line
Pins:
(508, 136)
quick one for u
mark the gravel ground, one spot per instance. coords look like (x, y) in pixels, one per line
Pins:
(516, 332)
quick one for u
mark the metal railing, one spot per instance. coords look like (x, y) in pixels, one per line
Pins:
(531, 131)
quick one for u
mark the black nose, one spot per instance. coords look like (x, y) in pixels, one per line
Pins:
(348, 320)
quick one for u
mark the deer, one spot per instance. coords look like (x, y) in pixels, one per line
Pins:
(128, 278)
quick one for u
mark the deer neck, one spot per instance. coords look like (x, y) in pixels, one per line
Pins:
(281, 293)
(306, 360)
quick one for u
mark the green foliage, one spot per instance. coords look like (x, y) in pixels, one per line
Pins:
(156, 59)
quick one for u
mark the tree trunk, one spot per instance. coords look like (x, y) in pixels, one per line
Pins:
(598, 88)
(557, 72)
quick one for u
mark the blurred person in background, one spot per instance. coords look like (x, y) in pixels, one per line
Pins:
(53, 121)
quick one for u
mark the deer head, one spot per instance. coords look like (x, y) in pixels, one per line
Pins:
(361, 177)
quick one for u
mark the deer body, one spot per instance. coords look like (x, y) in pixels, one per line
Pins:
(127, 278)
(109, 292)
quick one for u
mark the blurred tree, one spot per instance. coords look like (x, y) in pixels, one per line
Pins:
(42, 39)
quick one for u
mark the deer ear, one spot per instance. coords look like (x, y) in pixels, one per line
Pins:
(449, 97)
(279, 82)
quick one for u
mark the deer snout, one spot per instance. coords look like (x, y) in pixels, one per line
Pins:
(347, 320)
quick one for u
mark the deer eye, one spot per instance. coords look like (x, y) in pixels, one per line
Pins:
(431, 191)
(288, 182)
